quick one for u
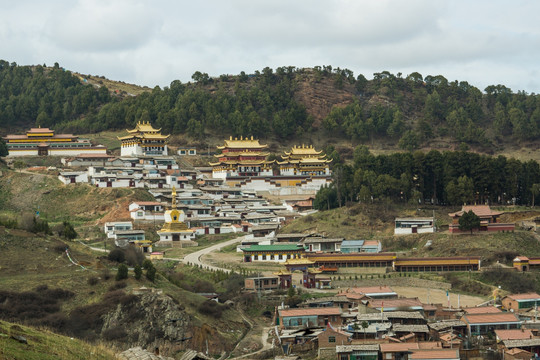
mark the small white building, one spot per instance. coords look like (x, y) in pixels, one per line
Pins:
(73, 177)
(146, 210)
(187, 151)
(420, 225)
(112, 227)
(316, 244)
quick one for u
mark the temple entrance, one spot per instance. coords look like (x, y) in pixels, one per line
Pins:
(176, 237)
(43, 150)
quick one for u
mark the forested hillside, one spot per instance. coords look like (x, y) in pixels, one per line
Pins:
(411, 111)
(450, 177)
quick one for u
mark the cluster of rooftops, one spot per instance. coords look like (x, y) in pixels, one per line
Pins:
(375, 322)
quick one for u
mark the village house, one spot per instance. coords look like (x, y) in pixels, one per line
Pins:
(85, 160)
(435, 354)
(190, 151)
(360, 246)
(420, 225)
(146, 210)
(373, 292)
(330, 337)
(309, 317)
(519, 302)
(73, 177)
(489, 219)
(357, 352)
(112, 227)
(321, 244)
(261, 283)
(481, 324)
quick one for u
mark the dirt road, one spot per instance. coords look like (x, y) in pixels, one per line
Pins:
(195, 258)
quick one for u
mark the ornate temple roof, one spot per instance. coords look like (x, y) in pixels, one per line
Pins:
(242, 143)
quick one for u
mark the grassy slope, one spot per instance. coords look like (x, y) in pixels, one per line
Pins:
(376, 222)
(44, 345)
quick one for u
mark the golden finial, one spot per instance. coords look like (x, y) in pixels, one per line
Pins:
(173, 202)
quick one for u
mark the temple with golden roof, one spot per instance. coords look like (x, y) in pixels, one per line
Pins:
(143, 140)
(174, 228)
(304, 161)
(244, 157)
(44, 142)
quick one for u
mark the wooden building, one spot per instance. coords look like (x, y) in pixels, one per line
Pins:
(457, 263)
(489, 219)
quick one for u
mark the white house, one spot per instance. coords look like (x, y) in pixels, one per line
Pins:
(146, 210)
(112, 227)
(420, 225)
(72, 177)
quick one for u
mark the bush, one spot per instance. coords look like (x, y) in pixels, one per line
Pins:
(117, 255)
(118, 286)
(133, 256)
(138, 272)
(147, 264)
(151, 274)
(211, 308)
(92, 280)
(122, 272)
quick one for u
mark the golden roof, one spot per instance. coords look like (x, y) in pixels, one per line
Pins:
(301, 261)
(242, 143)
(242, 162)
(283, 272)
(242, 153)
(143, 127)
(303, 150)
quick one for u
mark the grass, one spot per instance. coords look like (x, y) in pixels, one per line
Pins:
(45, 345)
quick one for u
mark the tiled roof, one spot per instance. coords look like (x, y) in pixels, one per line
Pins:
(514, 334)
(491, 318)
(410, 328)
(482, 310)
(446, 324)
(350, 348)
(394, 303)
(479, 210)
(527, 296)
(435, 354)
(310, 312)
(521, 343)
(398, 347)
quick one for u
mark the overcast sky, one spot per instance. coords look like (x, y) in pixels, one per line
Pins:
(155, 42)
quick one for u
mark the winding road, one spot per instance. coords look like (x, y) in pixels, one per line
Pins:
(195, 257)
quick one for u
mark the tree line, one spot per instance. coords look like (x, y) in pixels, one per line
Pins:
(445, 178)
(410, 110)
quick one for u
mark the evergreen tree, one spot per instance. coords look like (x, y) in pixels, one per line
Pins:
(469, 221)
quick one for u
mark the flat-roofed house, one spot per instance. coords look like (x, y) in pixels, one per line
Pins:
(419, 225)
(358, 352)
(273, 253)
(480, 324)
(321, 244)
(261, 283)
(73, 177)
(309, 317)
(517, 302)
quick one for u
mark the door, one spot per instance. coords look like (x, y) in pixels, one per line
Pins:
(72, 180)
(176, 237)
(414, 230)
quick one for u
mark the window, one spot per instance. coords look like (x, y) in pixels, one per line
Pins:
(331, 339)
(280, 257)
(264, 257)
(271, 257)
(299, 321)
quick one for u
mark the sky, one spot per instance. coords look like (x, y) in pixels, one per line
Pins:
(155, 42)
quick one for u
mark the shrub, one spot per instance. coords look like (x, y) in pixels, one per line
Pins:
(147, 264)
(211, 308)
(122, 272)
(118, 286)
(151, 274)
(138, 272)
(93, 280)
(117, 255)
(133, 256)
